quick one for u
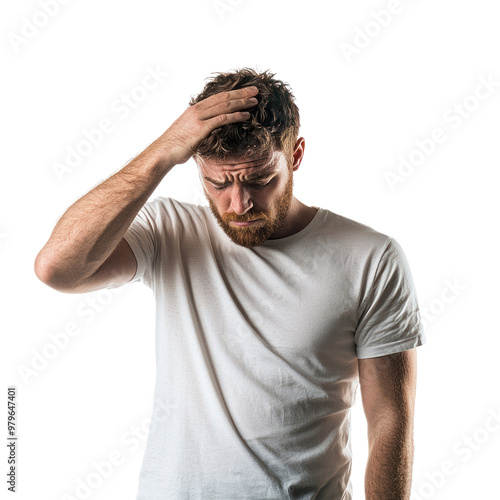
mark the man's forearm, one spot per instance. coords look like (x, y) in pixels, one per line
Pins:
(390, 462)
(91, 228)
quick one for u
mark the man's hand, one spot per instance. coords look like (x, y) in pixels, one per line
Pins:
(179, 142)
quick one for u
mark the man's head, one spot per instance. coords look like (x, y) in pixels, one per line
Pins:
(237, 160)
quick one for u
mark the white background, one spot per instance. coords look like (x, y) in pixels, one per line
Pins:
(360, 113)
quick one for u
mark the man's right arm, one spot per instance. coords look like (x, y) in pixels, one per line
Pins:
(86, 250)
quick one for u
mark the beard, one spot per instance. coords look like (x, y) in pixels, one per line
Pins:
(255, 235)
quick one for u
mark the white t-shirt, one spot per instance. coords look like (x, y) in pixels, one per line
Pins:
(257, 351)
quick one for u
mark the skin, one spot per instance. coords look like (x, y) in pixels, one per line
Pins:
(269, 198)
(388, 389)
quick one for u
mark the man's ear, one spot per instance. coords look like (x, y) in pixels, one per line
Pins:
(298, 152)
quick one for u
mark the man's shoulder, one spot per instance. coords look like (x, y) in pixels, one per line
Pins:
(176, 218)
(353, 233)
(173, 208)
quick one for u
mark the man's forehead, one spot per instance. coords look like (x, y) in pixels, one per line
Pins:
(255, 164)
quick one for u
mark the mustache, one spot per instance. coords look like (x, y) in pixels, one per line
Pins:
(244, 219)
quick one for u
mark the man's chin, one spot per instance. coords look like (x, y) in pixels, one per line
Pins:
(245, 237)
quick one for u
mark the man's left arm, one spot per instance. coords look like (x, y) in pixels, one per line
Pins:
(388, 386)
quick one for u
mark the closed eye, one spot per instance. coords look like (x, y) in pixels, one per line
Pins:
(254, 185)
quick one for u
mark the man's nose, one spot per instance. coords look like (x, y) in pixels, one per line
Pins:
(240, 200)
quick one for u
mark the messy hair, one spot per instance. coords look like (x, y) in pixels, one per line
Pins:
(274, 121)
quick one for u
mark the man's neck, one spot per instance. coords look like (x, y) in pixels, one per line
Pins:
(299, 217)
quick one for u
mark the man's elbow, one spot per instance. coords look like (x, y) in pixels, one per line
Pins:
(48, 275)
(42, 269)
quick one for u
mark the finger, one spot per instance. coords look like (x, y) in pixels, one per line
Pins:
(227, 107)
(224, 119)
(230, 95)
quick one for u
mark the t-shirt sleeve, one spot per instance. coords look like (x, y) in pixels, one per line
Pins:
(390, 321)
(142, 238)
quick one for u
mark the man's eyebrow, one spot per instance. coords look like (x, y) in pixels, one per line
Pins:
(251, 177)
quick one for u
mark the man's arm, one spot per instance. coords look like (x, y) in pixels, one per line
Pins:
(91, 230)
(388, 387)
(80, 254)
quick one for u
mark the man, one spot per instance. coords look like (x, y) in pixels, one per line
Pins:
(269, 312)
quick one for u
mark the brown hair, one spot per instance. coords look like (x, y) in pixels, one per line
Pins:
(274, 121)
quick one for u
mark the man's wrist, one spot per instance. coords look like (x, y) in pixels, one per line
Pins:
(158, 158)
